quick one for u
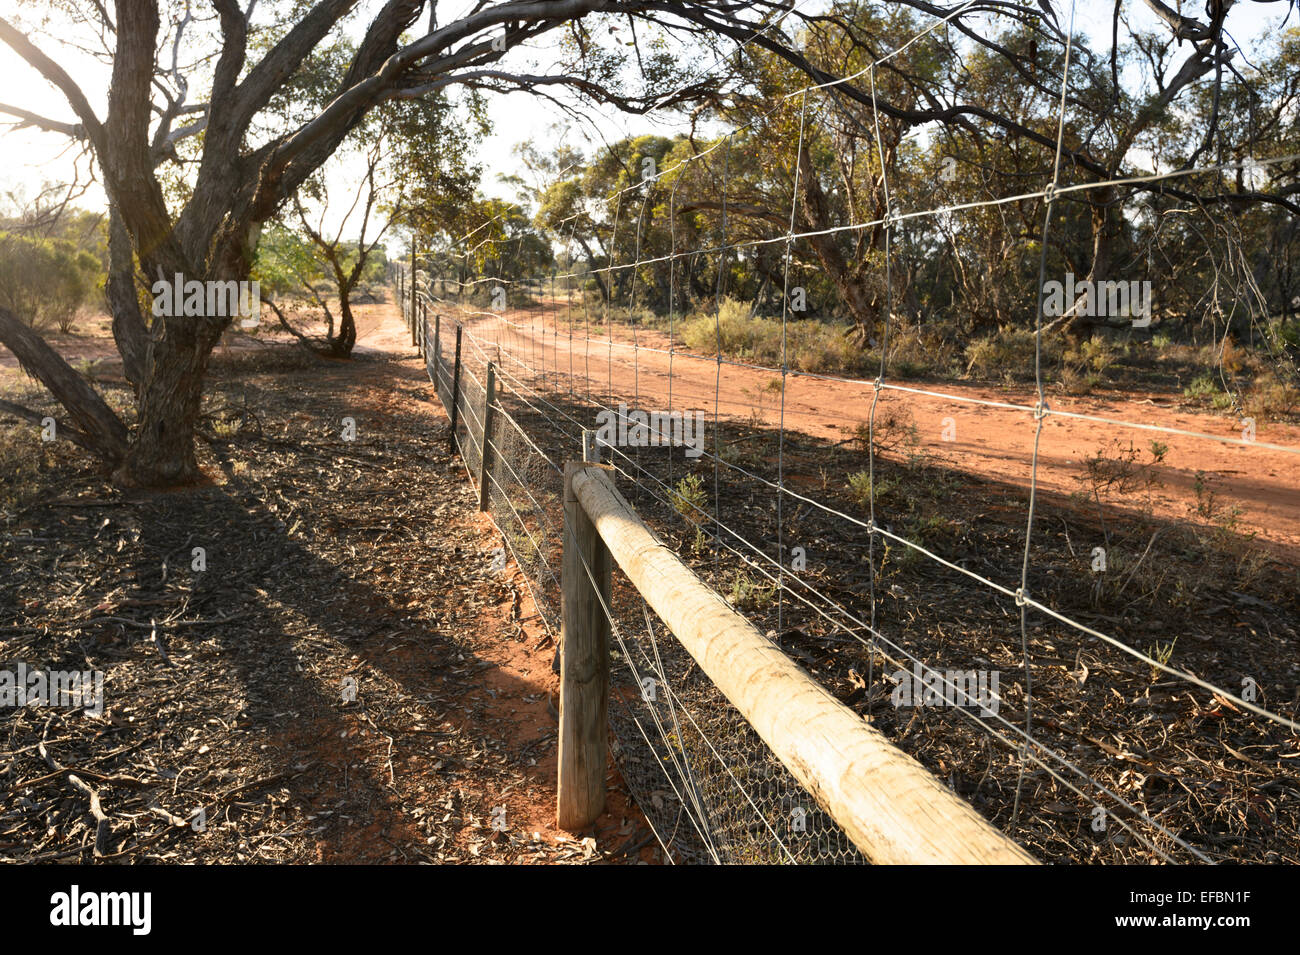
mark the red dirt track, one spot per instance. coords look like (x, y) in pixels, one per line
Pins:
(991, 442)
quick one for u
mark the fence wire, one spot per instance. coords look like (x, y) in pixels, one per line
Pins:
(709, 787)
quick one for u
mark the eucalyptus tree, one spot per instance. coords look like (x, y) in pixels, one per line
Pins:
(191, 84)
(192, 169)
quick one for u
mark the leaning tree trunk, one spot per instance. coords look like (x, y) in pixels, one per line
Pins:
(94, 425)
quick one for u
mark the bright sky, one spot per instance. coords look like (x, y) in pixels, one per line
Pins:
(28, 158)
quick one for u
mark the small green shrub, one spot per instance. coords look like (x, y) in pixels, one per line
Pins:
(810, 345)
(45, 281)
(860, 488)
(746, 594)
(1203, 386)
(1009, 353)
(689, 500)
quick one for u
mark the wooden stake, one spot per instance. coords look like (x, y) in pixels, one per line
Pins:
(414, 285)
(584, 666)
(455, 391)
(437, 349)
(485, 459)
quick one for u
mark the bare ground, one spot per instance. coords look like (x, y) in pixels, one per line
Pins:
(330, 564)
(984, 442)
(363, 560)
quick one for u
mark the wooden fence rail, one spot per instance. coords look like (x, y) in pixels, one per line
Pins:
(892, 808)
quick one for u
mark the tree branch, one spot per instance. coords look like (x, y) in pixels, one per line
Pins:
(103, 433)
(55, 74)
(34, 120)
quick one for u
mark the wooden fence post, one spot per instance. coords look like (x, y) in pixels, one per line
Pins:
(584, 665)
(485, 458)
(414, 286)
(890, 805)
(437, 348)
(455, 391)
(590, 448)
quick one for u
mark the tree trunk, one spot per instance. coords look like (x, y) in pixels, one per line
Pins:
(863, 308)
(129, 329)
(591, 266)
(162, 452)
(1104, 232)
(341, 345)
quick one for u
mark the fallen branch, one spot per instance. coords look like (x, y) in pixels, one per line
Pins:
(306, 341)
(103, 827)
(128, 781)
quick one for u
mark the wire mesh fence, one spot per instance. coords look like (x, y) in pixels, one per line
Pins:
(1060, 567)
(710, 788)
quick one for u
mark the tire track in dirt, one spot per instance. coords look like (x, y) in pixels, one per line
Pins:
(986, 442)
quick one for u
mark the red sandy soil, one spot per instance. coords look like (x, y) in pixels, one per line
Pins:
(520, 687)
(994, 443)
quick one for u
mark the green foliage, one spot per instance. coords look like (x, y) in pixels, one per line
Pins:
(1203, 386)
(1162, 653)
(1097, 354)
(46, 281)
(810, 345)
(746, 593)
(286, 261)
(860, 488)
(1008, 353)
(689, 500)
(1288, 333)
(431, 157)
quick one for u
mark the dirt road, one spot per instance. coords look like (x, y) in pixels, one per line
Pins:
(992, 442)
